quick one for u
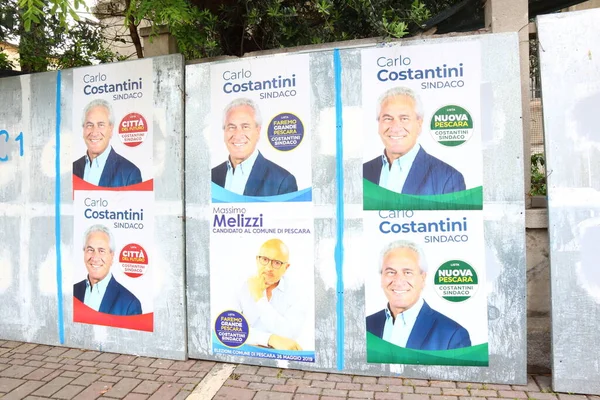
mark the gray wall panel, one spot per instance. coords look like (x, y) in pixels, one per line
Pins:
(570, 96)
(503, 210)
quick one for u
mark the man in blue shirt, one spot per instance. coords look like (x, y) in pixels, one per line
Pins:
(100, 291)
(247, 171)
(407, 320)
(101, 165)
(405, 167)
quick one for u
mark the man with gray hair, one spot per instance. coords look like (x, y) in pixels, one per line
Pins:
(101, 165)
(247, 171)
(405, 167)
(100, 291)
(407, 320)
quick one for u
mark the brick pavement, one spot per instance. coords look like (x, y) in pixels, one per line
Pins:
(30, 371)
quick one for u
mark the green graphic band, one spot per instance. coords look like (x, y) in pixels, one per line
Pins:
(377, 198)
(381, 352)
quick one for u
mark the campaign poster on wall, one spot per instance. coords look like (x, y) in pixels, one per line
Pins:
(422, 127)
(261, 259)
(113, 195)
(425, 297)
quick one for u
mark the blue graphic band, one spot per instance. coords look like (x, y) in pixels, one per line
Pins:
(61, 323)
(339, 246)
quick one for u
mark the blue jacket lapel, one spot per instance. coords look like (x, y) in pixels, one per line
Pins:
(254, 186)
(110, 168)
(423, 325)
(417, 176)
(372, 170)
(110, 296)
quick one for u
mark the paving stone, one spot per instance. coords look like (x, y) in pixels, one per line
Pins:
(8, 384)
(71, 374)
(349, 386)
(147, 377)
(401, 389)
(390, 381)
(306, 397)
(274, 381)
(541, 396)
(36, 357)
(185, 374)
(39, 374)
(189, 387)
(168, 372)
(24, 348)
(233, 393)
(563, 396)
(334, 392)
(23, 390)
(375, 388)
(147, 387)
(530, 387)
(259, 386)
(39, 350)
(273, 396)
(86, 363)
(17, 361)
(85, 379)
(514, 394)
(124, 359)
(166, 392)
(111, 379)
(291, 373)
(455, 392)
(493, 386)
(145, 370)
(121, 367)
(4, 366)
(136, 396)
(93, 391)
(69, 361)
(268, 371)
(106, 365)
(166, 378)
(235, 383)
(53, 386)
(315, 376)
(203, 366)
(308, 390)
(11, 344)
(68, 392)
(56, 351)
(161, 364)
(19, 356)
(72, 353)
(443, 384)
(250, 378)
(53, 375)
(194, 381)
(364, 379)
(104, 371)
(127, 374)
(16, 371)
(88, 355)
(386, 396)
(413, 396)
(284, 388)
(106, 357)
(356, 394)
(70, 367)
(544, 382)
(484, 393)
(122, 388)
(33, 363)
(142, 361)
(416, 382)
(339, 378)
(245, 369)
(182, 365)
(320, 384)
(428, 390)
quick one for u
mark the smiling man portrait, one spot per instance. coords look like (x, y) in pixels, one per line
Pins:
(405, 167)
(407, 320)
(247, 171)
(101, 165)
(271, 303)
(100, 290)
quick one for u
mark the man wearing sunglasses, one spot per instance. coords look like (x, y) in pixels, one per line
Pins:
(271, 304)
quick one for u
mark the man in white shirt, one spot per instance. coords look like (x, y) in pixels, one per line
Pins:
(247, 172)
(100, 291)
(407, 320)
(102, 165)
(405, 167)
(271, 304)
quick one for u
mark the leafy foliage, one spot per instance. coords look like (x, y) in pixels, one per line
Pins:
(48, 42)
(538, 175)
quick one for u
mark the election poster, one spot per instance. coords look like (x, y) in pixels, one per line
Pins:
(261, 259)
(422, 127)
(113, 195)
(425, 297)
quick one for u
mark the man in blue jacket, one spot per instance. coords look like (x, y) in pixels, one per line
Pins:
(405, 167)
(101, 165)
(100, 290)
(407, 320)
(247, 171)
